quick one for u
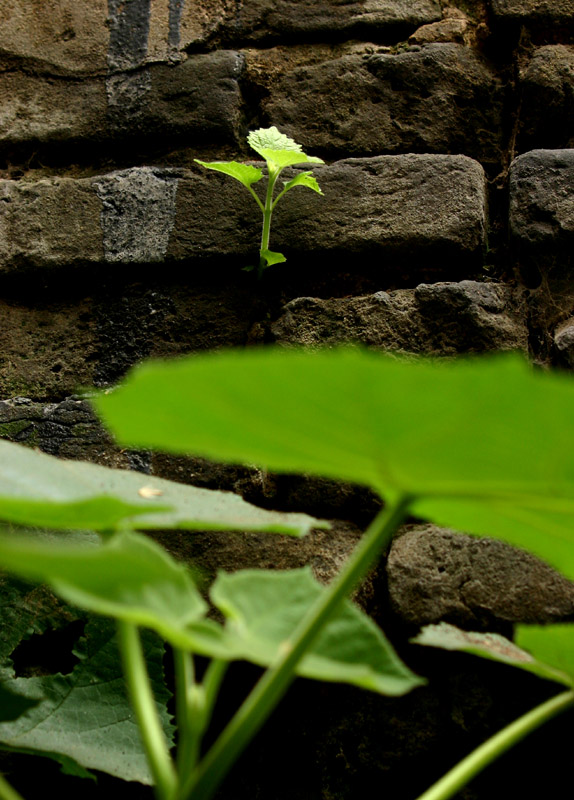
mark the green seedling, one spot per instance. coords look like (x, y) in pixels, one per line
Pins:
(279, 152)
(484, 446)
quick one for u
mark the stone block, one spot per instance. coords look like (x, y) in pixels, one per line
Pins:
(542, 202)
(91, 37)
(408, 206)
(436, 319)
(547, 108)
(438, 98)
(264, 20)
(551, 11)
(435, 574)
(198, 99)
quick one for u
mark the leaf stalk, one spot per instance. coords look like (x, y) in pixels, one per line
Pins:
(272, 686)
(144, 706)
(497, 745)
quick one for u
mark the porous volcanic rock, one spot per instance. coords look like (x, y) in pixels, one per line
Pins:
(437, 319)
(547, 81)
(436, 574)
(551, 11)
(408, 206)
(265, 20)
(439, 98)
(198, 99)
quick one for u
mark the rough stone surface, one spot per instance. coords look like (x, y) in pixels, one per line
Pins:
(68, 429)
(438, 319)
(435, 574)
(262, 20)
(56, 342)
(384, 206)
(198, 98)
(542, 200)
(439, 98)
(534, 10)
(46, 348)
(547, 82)
(97, 36)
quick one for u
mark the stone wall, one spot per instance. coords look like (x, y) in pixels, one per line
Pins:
(446, 227)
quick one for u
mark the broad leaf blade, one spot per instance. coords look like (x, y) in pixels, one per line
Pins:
(263, 609)
(129, 577)
(497, 648)
(485, 445)
(244, 173)
(13, 704)
(278, 149)
(272, 258)
(303, 179)
(39, 490)
(83, 720)
(551, 644)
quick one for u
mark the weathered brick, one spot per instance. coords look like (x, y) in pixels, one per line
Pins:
(439, 98)
(435, 319)
(547, 107)
(91, 37)
(259, 20)
(198, 99)
(403, 206)
(534, 10)
(542, 202)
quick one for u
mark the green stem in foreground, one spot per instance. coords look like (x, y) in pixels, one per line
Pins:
(187, 747)
(143, 704)
(498, 744)
(268, 692)
(8, 792)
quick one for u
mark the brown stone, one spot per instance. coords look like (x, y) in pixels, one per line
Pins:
(546, 112)
(435, 574)
(435, 319)
(439, 98)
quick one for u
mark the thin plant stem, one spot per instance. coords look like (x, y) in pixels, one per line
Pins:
(145, 710)
(267, 213)
(8, 792)
(275, 682)
(187, 748)
(211, 682)
(494, 747)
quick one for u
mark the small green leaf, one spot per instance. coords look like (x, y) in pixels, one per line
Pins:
(83, 720)
(263, 609)
(39, 490)
(272, 258)
(244, 173)
(496, 648)
(278, 149)
(128, 577)
(303, 179)
(272, 139)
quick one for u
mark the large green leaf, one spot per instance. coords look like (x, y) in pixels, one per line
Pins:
(39, 490)
(263, 609)
(128, 577)
(539, 659)
(83, 720)
(483, 445)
